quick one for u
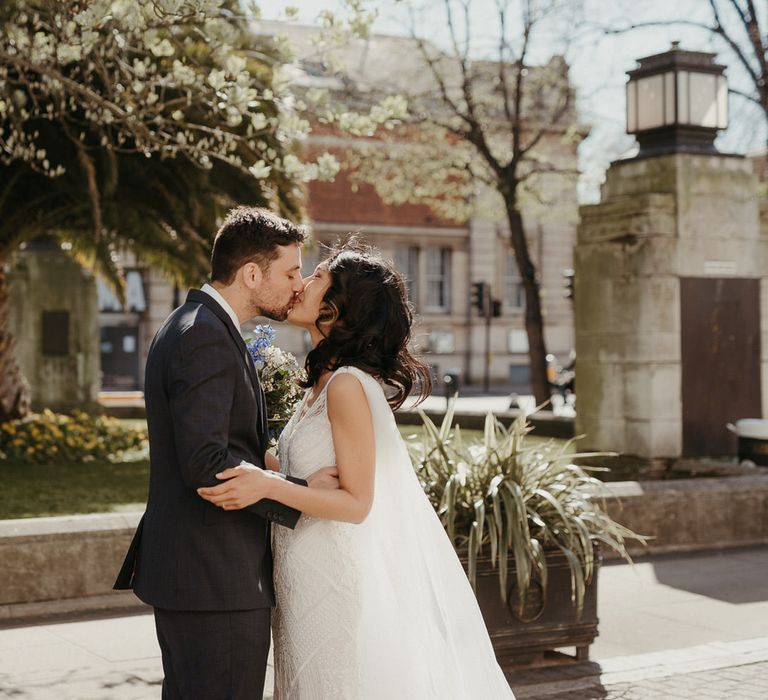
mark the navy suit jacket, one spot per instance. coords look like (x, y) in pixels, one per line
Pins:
(206, 411)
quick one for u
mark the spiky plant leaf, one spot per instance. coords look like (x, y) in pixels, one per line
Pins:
(518, 496)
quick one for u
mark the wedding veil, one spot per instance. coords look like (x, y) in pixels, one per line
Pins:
(421, 633)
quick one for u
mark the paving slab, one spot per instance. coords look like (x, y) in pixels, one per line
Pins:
(684, 626)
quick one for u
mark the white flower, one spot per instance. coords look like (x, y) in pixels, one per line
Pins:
(66, 53)
(260, 170)
(397, 106)
(185, 75)
(170, 6)
(235, 64)
(258, 121)
(292, 165)
(178, 115)
(139, 68)
(234, 118)
(327, 167)
(357, 124)
(88, 39)
(217, 79)
(162, 48)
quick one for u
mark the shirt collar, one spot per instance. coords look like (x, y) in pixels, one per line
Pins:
(222, 302)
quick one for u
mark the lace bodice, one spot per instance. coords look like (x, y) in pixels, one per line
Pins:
(306, 443)
(316, 577)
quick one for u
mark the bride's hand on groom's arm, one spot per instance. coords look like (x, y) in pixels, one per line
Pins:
(246, 484)
(243, 486)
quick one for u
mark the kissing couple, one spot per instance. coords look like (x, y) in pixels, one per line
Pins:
(363, 590)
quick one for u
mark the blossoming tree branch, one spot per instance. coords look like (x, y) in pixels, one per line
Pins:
(134, 125)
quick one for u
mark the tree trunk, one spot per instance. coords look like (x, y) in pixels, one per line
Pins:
(534, 322)
(14, 392)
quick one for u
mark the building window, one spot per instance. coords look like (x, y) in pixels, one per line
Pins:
(514, 294)
(407, 264)
(438, 279)
(520, 377)
(517, 341)
(442, 342)
(135, 300)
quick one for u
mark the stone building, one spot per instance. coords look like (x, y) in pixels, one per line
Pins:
(440, 258)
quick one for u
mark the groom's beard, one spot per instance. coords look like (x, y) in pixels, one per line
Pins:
(269, 309)
(276, 314)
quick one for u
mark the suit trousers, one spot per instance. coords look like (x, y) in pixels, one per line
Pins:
(217, 655)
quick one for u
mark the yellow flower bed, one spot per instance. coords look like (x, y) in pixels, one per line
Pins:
(45, 437)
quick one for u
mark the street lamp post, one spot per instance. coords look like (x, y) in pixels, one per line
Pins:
(677, 101)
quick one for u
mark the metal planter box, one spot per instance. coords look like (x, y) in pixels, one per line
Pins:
(546, 623)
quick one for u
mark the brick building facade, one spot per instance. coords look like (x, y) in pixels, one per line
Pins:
(440, 259)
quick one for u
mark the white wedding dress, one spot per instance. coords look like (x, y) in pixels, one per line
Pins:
(381, 610)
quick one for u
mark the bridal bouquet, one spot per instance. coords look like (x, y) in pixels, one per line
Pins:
(279, 373)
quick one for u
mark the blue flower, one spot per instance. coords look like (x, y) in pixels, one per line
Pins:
(265, 336)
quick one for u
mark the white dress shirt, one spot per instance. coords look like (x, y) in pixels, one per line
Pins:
(222, 302)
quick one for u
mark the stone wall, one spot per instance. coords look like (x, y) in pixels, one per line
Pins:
(49, 563)
(64, 564)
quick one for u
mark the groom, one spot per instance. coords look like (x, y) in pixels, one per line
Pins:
(206, 571)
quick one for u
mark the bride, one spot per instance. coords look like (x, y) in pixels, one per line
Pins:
(372, 601)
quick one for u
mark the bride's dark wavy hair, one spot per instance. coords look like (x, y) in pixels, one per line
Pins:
(371, 318)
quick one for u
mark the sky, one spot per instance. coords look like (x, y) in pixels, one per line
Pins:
(598, 60)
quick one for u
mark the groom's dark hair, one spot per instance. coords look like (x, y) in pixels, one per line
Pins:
(250, 234)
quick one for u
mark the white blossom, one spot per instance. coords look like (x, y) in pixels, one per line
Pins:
(235, 64)
(260, 170)
(259, 122)
(327, 167)
(292, 166)
(68, 53)
(162, 47)
(217, 79)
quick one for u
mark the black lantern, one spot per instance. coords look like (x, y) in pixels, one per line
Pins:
(677, 101)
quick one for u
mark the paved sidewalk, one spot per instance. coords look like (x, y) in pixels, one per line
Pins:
(735, 670)
(688, 626)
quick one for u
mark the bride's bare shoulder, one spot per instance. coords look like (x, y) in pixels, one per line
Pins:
(345, 385)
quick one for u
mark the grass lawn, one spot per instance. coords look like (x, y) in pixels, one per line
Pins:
(93, 487)
(63, 489)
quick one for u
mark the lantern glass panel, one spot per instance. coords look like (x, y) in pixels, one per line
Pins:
(722, 102)
(683, 113)
(669, 98)
(632, 106)
(650, 99)
(703, 99)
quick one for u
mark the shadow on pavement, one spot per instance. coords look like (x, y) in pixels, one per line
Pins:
(735, 576)
(575, 681)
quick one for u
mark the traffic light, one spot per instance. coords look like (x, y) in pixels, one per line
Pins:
(478, 294)
(569, 275)
(495, 308)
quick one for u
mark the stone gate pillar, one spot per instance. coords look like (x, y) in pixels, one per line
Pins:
(54, 319)
(664, 357)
